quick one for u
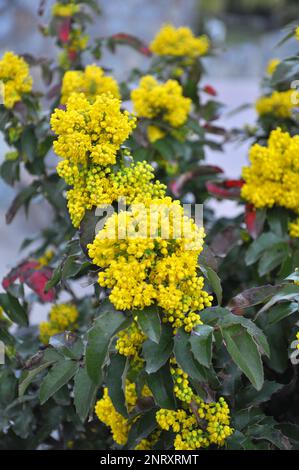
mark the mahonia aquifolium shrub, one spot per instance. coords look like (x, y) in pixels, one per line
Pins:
(139, 270)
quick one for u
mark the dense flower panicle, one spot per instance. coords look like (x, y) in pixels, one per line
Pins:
(149, 254)
(273, 176)
(153, 99)
(91, 131)
(279, 104)
(15, 75)
(272, 66)
(119, 425)
(179, 42)
(65, 9)
(91, 82)
(61, 318)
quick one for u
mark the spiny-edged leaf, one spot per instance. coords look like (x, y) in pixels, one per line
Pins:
(28, 376)
(156, 355)
(244, 352)
(142, 428)
(161, 386)
(281, 311)
(13, 309)
(84, 393)
(250, 397)
(254, 331)
(214, 281)
(116, 378)
(201, 344)
(60, 374)
(207, 258)
(212, 314)
(185, 358)
(99, 338)
(264, 242)
(150, 323)
(273, 258)
(285, 292)
(269, 433)
(253, 296)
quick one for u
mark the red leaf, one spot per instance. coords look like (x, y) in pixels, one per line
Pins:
(229, 189)
(133, 41)
(64, 31)
(254, 220)
(30, 272)
(210, 90)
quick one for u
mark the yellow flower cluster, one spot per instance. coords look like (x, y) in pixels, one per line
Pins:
(92, 131)
(65, 9)
(149, 254)
(130, 341)
(119, 425)
(297, 33)
(14, 74)
(273, 176)
(179, 42)
(91, 82)
(161, 100)
(272, 65)
(279, 104)
(61, 318)
(201, 426)
(182, 389)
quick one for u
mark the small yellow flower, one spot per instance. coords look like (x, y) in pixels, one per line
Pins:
(272, 65)
(154, 133)
(65, 9)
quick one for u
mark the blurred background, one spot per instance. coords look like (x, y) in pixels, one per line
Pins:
(245, 34)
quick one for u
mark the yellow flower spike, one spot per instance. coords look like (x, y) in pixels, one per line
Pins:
(279, 104)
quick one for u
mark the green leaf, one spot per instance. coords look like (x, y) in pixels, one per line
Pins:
(13, 309)
(281, 311)
(273, 258)
(164, 147)
(269, 433)
(23, 198)
(28, 376)
(29, 144)
(214, 281)
(56, 277)
(60, 374)
(249, 397)
(99, 338)
(142, 428)
(116, 382)
(253, 296)
(71, 267)
(244, 352)
(150, 323)
(264, 242)
(84, 393)
(286, 292)
(185, 358)
(201, 344)
(161, 386)
(156, 355)
(254, 331)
